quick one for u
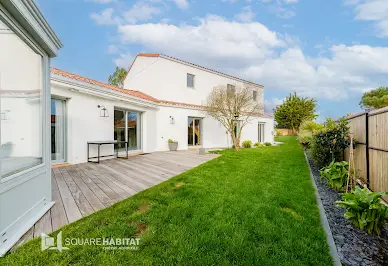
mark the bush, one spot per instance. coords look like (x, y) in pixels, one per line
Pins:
(306, 130)
(336, 174)
(247, 144)
(329, 142)
(268, 144)
(258, 145)
(365, 210)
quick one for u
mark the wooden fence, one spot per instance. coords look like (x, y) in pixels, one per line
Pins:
(286, 132)
(370, 129)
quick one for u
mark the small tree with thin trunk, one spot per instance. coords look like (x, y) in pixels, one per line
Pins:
(234, 107)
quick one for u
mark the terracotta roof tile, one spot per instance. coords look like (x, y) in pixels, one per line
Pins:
(133, 93)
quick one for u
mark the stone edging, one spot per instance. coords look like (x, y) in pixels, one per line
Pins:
(325, 223)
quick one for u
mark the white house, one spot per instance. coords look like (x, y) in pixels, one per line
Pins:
(26, 45)
(155, 105)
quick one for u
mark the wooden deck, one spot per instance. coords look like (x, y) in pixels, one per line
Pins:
(81, 189)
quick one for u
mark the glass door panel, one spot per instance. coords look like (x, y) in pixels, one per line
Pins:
(57, 130)
(132, 121)
(197, 132)
(119, 128)
(190, 123)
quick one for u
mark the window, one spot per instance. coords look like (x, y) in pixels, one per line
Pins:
(261, 133)
(231, 89)
(254, 96)
(21, 102)
(190, 80)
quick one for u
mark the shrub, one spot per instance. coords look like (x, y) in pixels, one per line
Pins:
(306, 130)
(365, 210)
(268, 144)
(172, 141)
(258, 145)
(336, 174)
(247, 144)
(329, 142)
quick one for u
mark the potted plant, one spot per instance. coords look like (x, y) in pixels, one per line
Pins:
(172, 145)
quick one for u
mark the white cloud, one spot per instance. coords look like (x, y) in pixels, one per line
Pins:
(246, 14)
(291, 1)
(270, 104)
(140, 12)
(105, 17)
(254, 52)
(183, 4)
(124, 60)
(372, 10)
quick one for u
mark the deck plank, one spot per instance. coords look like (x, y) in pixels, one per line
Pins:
(43, 225)
(71, 208)
(58, 213)
(83, 205)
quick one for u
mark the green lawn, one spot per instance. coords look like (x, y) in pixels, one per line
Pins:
(253, 207)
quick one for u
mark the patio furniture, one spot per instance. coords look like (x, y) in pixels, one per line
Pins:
(111, 142)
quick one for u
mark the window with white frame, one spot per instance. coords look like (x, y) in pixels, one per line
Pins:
(190, 80)
(231, 89)
(21, 104)
(254, 96)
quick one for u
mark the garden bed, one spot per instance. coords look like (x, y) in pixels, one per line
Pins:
(355, 247)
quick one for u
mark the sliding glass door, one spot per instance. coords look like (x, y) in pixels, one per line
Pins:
(194, 131)
(127, 128)
(58, 130)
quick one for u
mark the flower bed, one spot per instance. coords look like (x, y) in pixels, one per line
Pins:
(355, 247)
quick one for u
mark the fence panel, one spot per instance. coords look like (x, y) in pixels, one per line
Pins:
(371, 154)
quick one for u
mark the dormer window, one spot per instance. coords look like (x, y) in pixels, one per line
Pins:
(190, 80)
(254, 96)
(230, 89)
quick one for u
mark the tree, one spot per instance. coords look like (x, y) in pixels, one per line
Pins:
(117, 79)
(294, 111)
(233, 107)
(377, 98)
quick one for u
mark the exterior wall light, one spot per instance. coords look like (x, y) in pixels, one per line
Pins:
(103, 112)
(172, 120)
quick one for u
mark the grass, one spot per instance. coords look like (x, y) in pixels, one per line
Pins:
(252, 207)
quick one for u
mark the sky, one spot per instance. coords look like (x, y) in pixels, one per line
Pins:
(331, 50)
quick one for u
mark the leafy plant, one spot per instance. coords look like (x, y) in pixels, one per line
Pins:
(172, 141)
(336, 174)
(329, 142)
(247, 144)
(118, 77)
(306, 130)
(377, 98)
(258, 145)
(365, 210)
(294, 110)
(268, 144)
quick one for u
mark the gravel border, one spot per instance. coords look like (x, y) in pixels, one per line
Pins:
(353, 246)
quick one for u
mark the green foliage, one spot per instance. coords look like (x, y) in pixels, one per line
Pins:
(117, 78)
(336, 174)
(377, 98)
(294, 110)
(365, 210)
(329, 142)
(306, 130)
(268, 144)
(172, 141)
(258, 145)
(247, 144)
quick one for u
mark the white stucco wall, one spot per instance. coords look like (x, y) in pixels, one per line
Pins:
(166, 80)
(84, 123)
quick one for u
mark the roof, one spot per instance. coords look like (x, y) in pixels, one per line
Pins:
(194, 65)
(133, 93)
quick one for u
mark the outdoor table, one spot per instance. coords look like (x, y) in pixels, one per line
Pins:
(111, 142)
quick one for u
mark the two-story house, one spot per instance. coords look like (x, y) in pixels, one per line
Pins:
(162, 99)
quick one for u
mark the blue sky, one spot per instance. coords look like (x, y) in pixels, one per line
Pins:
(330, 50)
